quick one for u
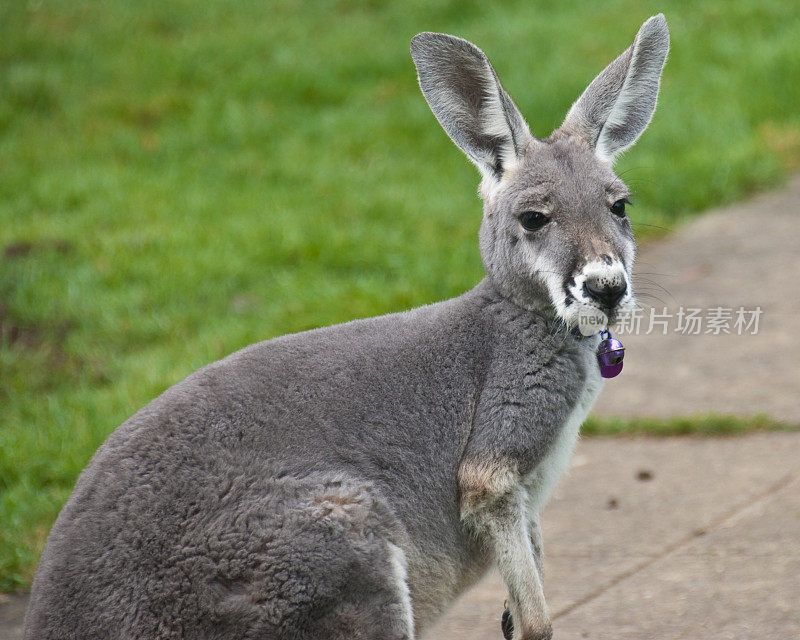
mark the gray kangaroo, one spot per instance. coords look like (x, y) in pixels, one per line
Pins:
(350, 482)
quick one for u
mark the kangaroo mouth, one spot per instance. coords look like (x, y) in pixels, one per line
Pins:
(589, 317)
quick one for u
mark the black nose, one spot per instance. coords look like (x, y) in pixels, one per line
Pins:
(607, 294)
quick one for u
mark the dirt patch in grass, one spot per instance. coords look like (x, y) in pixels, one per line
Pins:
(15, 332)
(22, 249)
(784, 141)
(11, 333)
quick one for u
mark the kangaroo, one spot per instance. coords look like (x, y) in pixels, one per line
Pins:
(352, 481)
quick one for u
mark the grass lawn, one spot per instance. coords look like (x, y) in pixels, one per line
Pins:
(179, 179)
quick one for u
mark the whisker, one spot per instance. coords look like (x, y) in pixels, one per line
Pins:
(654, 226)
(650, 296)
(654, 273)
(651, 283)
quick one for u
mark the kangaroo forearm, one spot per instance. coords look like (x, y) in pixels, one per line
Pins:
(504, 528)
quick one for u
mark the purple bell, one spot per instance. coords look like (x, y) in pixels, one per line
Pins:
(610, 353)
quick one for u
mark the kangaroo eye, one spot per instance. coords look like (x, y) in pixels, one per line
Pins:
(533, 220)
(618, 208)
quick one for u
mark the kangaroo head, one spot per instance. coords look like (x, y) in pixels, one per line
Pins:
(554, 234)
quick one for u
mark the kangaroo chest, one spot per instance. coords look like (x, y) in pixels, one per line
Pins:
(541, 481)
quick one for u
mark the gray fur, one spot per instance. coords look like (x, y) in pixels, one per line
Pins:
(306, 486)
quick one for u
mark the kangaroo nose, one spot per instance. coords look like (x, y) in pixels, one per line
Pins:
(606, 294)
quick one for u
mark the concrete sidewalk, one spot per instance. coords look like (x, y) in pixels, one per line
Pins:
(655, 539)
(12, 611)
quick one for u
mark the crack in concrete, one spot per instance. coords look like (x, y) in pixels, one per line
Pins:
(716, 523)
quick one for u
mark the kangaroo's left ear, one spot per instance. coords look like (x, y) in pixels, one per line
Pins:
(617, 106)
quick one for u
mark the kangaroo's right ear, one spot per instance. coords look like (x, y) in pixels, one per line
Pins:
(467, 99)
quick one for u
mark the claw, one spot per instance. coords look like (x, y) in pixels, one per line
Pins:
(507, 625)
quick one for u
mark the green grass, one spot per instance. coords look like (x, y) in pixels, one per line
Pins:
(701, 425)
(180, 179)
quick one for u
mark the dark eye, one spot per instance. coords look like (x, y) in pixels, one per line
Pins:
(618, 208)
(533, 220)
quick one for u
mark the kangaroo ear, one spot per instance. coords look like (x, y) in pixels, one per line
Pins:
(617, 106)
(467, 99)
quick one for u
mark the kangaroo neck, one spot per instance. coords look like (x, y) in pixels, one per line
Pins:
(536, 310)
